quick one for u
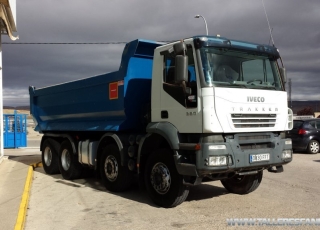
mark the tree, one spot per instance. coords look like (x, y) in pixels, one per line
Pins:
(305, 111)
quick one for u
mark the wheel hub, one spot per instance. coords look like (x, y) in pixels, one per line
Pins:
(65, 159)
(47, 156)
(314, 147)
(160, 178)
(111, 168)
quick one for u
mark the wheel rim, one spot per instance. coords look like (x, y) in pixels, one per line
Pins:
(314, 147)
(111, 168)
(65, 159)
(160, 178)
(47, 156)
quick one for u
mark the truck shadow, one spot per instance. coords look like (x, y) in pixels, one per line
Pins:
(137, 193)
(25, 159)
(205, 191)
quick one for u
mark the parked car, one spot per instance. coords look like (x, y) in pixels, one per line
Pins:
(305, 135)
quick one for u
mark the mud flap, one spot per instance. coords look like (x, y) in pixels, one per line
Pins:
(276, 169)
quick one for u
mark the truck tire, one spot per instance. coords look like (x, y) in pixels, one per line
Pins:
(243, 184)
(313, 147)
(163, 183)
(115, 177)
(50, 158)
(69, 165)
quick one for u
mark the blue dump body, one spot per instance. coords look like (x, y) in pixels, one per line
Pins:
(114, 101)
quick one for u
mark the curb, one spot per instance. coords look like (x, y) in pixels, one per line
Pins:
(25, 198)
(2, 158)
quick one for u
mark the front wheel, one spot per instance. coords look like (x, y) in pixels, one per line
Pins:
(243, 184)
(164, 184)
(313, 147)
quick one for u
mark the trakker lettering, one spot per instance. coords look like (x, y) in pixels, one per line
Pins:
(254, 109)
(255, 99)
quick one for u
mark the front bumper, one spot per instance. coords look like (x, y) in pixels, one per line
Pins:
(237, 149)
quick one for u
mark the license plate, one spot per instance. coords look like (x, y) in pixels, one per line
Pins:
(259, 157)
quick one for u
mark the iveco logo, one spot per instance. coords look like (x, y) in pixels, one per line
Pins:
(255, 99)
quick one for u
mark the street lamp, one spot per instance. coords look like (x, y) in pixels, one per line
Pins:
(205, 22)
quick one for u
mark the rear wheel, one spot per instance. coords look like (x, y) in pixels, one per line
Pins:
(164, 184)
(69, 165)
(243, 184)
(49, 158)
(115, 177)
(313, 147)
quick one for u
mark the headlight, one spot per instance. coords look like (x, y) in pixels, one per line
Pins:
(211, 147)
(288, 142)
(286, 154)
(217, 160)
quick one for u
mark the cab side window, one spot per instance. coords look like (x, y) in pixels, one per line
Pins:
(188, 100)
(169, 66)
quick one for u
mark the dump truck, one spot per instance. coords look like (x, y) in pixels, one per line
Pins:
(173, 115)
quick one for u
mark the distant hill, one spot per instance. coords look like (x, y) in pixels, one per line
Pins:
(23, 107)
(299, 105)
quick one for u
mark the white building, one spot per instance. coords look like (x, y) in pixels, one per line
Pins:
(7, 27)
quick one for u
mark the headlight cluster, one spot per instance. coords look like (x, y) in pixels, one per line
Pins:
(288, 142)
(222, 158)
(219, 161)
(287, 154)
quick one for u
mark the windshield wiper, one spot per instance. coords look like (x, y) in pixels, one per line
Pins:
(243, 86)
(268, 87)
(227, 83)
(263, 86)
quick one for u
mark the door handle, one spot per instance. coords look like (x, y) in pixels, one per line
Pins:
(164, 114)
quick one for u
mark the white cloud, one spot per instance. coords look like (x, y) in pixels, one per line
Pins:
(15, 97)
(294, 22)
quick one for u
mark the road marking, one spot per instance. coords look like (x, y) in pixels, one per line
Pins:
(25, 197)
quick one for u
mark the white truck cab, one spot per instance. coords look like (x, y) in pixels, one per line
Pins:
(222, 107)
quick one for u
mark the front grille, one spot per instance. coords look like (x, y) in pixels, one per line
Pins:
(241, 138)
(253, 120)
(256, 146)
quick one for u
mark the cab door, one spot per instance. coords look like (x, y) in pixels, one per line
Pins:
(179, 106)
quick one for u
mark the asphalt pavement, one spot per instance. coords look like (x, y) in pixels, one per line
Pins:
(13, 173)
(59, 204)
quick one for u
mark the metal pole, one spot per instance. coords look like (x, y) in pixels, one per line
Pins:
(205, 22)
(1, 103)
(15, 129)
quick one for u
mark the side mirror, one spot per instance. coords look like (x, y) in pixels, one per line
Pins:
(181, 69)
(283, 74)
(180, 48)
(181, 62)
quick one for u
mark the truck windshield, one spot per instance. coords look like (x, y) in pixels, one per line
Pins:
(239, 69)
